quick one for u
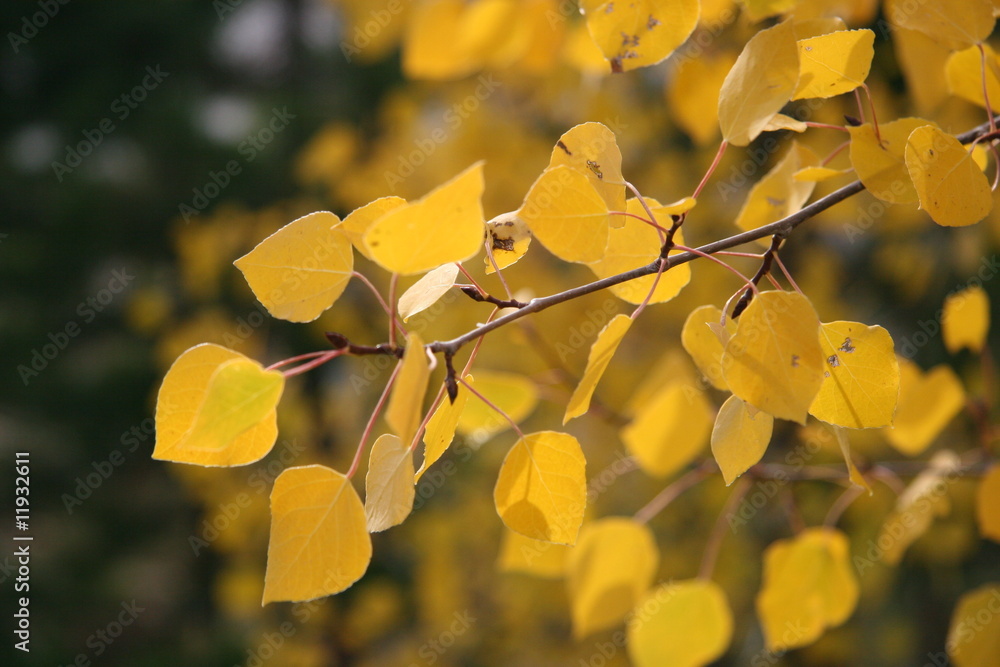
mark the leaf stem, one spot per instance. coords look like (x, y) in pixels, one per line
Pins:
(672, 491)
(371, 421)
(491, 404)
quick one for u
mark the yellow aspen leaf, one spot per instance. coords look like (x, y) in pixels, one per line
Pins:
(924, 499)
(693, 95)
(407, 399)
(592, 150)
(808, 586)
(964, 73)
(923, 63)
(636, 244)
(689, 625)
(610, 569)
(580, 52)
(567, 215)
(740, 437)
(965, 320)
(881, 167)
(535, 557)
(956, 25)
(431, 49)
(927, 402)
(780, 121)
(445, 225)
(861, 376)
(974, 633)
(513, 393)
(389, 490)
(704, 345)
(641, 33)
(950, 185)
(759, 84)
(441, 428)
(319, 544)
(597, 362)
(425, 292)
(853, 474)
(542, 488)
(356, 224)
(670, 430)
(814, 27)
(819, 174)
(301, 269)
(778, 193)
(835, 63)
(216, 408)
(988, 505)
(508, 237)
(774, 360)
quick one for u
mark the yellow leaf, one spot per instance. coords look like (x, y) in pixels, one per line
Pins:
(515, 394)
(610, 568)
(861, 377)
(950, 186)
(216, 408)
(814, 27)
(597, 362)
(988, 505)
(693, 95)
(704, 346)
(774, 360)
(388, 486)
(636, 244)
(759, 84)
(974, 633)
(924, 499)
(567, 215)
(923, 63)
(688, 624)
(927, 402)
(509, 238)
(778, 193)
(523, 554)
(407, 400)
(819, 174)
(425, 292)
(853, 474)
(431, 49)
(955, 25)
(445, 225)
(834, 63)
(780, 121)
(356, 224)
(809, 586)
(964, 73)
(441, 428)
(966, 319)
(881, 167)
(740, 437)
(670, 430)
(542, 488)
(592, 150)
(319, 544)
(301, 269)
(641, 33)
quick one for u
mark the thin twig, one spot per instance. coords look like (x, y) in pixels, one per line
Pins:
(672, 491)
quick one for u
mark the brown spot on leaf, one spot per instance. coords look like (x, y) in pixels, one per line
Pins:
(833, 360)
(596, 168)
(503, 244)
(795, 361)
(652, 22)
(561, 145)
(616, 65)
(775, 202)
(847, 346)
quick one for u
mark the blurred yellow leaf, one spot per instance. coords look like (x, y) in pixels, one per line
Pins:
(301, 269)
(688, 624)
(923, 63)
(761, 9)
(853, 474)
(408, 239)
(567, 215)
(964, 73)
(861, 377)
(835, 63)
(425, 292)
(640, 33)
(809, 586)
(974, 633)
(535, 557)
(774, 360)
(508, 237)
(779, 194)
(356, 224)
(693, 94)
(988, 504)
(704, 346)
(610, 569)
(955, 25)
(513, 393)
(592, 150)
(542, 488)
(319, 544)
(819, 174)
(966, 319)
(881, 167)
(216, 408)
(441, 428)
(431, 47)
(670, 430)
(780, 121)
(406, 402)
(389, 484)
(759, 84)
(927, 402)
(950, 185)
(597, 361)
(740, 437)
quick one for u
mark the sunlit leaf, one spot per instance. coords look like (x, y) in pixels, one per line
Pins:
(319, 544)
(597, 362)
(955, 25)
(688, 624)
(670, 430)
(356, 224)
(780, 121)
(693, 95)
(881, 166)
(950, 185)
(704, 346)
(988, 504)
(515, 394)
(509, 238)
(389, 484)
(535, 557)
(927, 402)
(592, 150)
(425, 292)
(567, 215)
(964, 73)
(779, 194)
(834, 63)
(974, 633)
(441, 428)
(740, 437)
(966, 319)
(819, 174)
(407, 399)
(640, 33)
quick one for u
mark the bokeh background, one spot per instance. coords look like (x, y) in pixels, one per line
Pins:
(145, 146)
